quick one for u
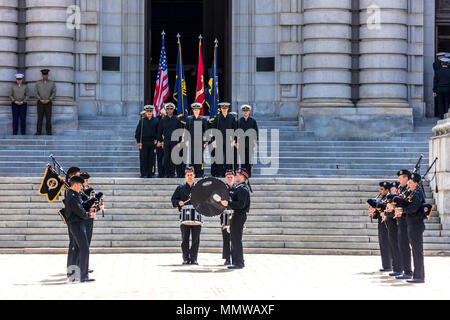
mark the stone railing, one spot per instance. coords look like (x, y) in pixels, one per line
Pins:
(440, 148)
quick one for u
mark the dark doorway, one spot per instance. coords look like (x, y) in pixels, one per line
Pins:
(189, 18)
(442, 25)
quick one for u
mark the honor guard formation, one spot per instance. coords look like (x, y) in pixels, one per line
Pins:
(401, 210)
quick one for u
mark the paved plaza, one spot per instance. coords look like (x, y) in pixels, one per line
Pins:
(160, 276)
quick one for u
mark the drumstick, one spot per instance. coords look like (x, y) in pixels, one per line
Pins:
(186, 202)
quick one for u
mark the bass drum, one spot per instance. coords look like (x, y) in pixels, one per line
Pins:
(206, 196)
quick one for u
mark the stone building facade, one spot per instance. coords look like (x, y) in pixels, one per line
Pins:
(342, 67)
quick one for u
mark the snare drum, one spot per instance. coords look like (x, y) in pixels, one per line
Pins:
(225, 220)
(190, 217)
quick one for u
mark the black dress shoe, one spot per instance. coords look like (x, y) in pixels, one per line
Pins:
(87, 280)
(227, 263)
(194, 262)
(385, 270)
(38, 134)
(49, 134)
(186, 262)
(395, 274)
(90, 271)
(415, 281)
(235, 267)
(403, 277)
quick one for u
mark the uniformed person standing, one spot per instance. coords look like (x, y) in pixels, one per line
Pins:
(226, 237)
(197, 144)
(160, 149)
(146, 136)
(167, 126)
(437, 65)
(416, 226)
(19, 97)
(45, 92)
(141, 161)
(223, 122)
(403, 241)
(247, 123)
(240, 204)
(441, 88)
(383, 238)
(391, 224)
(179, 199)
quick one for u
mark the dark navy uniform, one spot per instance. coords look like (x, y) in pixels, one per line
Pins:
(416, 227)
(226, 235)
(167, 126)
(223, 124)
(240, 204)
(245, 125)
(160, 155)
(195, 141)
(391, 225)
(183, 193)
(76, 217)
(383, 240)
(403, 241)
(442, 89)
(148, 130)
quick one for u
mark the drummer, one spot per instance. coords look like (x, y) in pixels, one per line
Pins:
(180, 198)
(226, 250)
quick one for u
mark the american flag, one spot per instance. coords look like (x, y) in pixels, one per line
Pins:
(162, 82)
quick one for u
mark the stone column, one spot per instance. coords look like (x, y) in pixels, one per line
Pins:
(8, 47)
(440, 147)
(384, 54)
(50, 44)
(327, 53)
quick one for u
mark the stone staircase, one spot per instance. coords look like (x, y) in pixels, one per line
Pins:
(288, 215)
(315, 204)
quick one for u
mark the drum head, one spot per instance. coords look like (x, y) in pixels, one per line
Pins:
(204, 196)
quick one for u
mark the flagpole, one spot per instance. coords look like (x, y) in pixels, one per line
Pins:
(181, 72)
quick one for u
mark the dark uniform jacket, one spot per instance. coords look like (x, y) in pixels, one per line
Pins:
(441, 79)
(167, 126)
(245, 125)
(416, 201)
(240, 199)
(437, 65)
(190, 126)
(149, 129)
(182, 193)
(74, 210)
(221, 123)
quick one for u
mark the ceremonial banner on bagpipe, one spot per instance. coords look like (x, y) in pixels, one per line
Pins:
(51, 185)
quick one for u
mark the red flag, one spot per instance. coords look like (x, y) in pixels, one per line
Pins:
(200, 95)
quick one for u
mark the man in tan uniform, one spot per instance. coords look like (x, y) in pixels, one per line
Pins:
(19, 97)
(45, 92)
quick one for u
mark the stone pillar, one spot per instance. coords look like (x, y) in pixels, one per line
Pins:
(440, 147)
(327, 53)
(50, 44)
(8, 47)
(384, 49)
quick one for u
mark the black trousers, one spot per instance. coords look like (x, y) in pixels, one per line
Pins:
(169, 166)
(416, 227)
(148, 157)
(180, 168)
(385, 250)
(89, 229)
(221, 168)
(391, 225)
(237, 230)
(44, 110)
(141, 163)
(247, 162)
(226, 250)
(443, 101)
(198, 167)
(19, 114)
(81, 247)
(160, 160)
(186, 232)
(403, 245)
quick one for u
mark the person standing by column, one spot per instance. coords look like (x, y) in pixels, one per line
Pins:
(45, 92)
(248, 123)
(441, 88)
(19, 97)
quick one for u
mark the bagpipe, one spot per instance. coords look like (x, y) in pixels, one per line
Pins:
(53, 183)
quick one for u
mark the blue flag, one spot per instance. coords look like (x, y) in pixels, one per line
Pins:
(212, 94)
(180, 88)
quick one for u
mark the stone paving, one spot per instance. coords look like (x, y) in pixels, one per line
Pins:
(160, 276)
